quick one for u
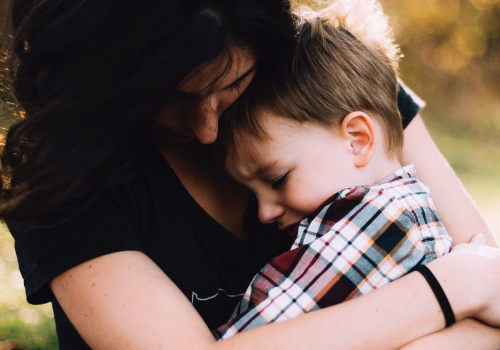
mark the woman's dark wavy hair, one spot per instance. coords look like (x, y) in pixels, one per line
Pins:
(91, 76)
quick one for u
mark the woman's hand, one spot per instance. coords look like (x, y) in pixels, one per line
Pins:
(469, 276)
(468, 334)
(485, 285)
(471, 333)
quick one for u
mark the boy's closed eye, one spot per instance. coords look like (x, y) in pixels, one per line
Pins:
(280, 182)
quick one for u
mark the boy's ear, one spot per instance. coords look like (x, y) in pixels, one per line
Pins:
(359, 129)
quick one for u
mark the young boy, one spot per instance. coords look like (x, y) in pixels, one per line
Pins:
(320, 145)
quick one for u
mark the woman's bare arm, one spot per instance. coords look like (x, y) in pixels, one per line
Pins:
(456, 208)
(467, 334)
(123, 300)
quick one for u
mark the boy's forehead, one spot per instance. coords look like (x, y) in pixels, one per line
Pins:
(246, 155)
(252, 155)
(277, 132)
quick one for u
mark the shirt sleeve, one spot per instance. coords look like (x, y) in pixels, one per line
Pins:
(75, 233)
(409, 104)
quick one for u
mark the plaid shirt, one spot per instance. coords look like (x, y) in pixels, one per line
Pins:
(365, 237)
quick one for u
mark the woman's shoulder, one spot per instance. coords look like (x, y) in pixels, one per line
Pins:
(409, 104)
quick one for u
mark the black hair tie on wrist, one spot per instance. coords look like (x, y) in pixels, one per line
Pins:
(449, 316)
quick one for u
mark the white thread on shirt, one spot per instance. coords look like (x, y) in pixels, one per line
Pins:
(195, 295)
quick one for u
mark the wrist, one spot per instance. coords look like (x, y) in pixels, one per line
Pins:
(439, 293)
(465, 299)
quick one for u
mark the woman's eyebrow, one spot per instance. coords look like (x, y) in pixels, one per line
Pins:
(241, 77)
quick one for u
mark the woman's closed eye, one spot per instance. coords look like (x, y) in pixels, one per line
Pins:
(244, 79)
(276, 185)
(235, 86)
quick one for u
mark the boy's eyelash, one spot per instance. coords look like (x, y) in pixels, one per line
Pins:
(280, 182)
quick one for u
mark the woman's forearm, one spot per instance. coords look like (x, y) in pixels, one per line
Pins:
(456, 208)
(386, 318)
(122, 301)
(468, 334)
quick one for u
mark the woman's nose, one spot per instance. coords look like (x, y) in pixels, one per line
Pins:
(205, 127)
(269, 211)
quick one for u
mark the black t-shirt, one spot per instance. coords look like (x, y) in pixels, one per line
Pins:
(155, 215)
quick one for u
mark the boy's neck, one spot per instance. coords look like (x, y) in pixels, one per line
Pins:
(380, 166)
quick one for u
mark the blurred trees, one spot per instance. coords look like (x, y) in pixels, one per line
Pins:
(452, 57)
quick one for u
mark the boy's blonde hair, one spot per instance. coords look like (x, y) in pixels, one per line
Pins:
(345, 60)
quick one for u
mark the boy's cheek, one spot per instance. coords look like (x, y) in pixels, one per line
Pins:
(303, 203)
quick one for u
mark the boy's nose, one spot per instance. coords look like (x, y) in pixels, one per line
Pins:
(269, 211)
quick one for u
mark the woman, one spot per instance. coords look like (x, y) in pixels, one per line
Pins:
(111, 187)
